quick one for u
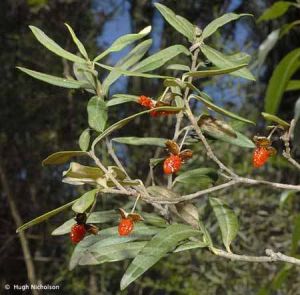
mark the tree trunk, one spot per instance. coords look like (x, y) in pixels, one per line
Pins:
(18, 221)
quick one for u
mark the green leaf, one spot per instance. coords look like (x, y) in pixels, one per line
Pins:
(65, 228)
(278, 9)
(266, 46)
(83, 73)
(161, 192)
(154, 162)
(222, 61)
(179, 23)
(84, 140)
(53, 46)
(112, 253)
(124, 41)
(79, 171)
(125, 121)
(85, 201)
(279, 80)
(175, 82)
(129, 60)
(62, 157)
(281, 277)
(78, 174)
(154, 219)
(176, 91)
(178, 67)
(201, 177)
(286, 197)
(160, 58)
(227, 221)
(206, 235)
(162, 243)
(287, 27)
(293, 85)
(189, 213)
(126, 250)
(220, 110)
(213, 26)
(121, 98)
(109, 216)
(97, 113)
(241, 140)
(44, 217)
(222, 131)
(94, 217)
(276, 119)
(156, 141)
(77, 42)
(109, 237)
(190, 245)
(213, 72)
(131, 73)
(57, 81)
(239, 58)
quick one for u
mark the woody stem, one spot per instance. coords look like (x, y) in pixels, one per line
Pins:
(135, 203)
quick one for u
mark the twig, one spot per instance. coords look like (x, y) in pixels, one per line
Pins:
(93, 207)
(271, 256)
(238, 180)
(269, 183)
(209, 151)
(186, 94)
(118, 192)
(272, 132)
(150, 176)
(194, 121)
(194, 195)
(112, 153)
(184, 138)
(108, 174)
(135, 203)
(179, 118)
(287, 152)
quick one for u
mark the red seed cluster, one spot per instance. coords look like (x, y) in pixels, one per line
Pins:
(176, 158)
(260, 156)
(81, 228)
(172, 164)
(125, 227)
(148, 103)
(78, 232)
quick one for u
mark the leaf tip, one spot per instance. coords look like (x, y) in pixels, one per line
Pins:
(32, 28)
(124, 283)
(146, 30)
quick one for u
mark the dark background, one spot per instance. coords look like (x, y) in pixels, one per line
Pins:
(37, 119)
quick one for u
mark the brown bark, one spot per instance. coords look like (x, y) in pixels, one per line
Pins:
(18, 221)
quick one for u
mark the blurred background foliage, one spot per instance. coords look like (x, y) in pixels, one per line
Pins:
(37, 119)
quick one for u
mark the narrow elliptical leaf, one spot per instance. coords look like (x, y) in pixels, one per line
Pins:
(162, 243)
(53, 46)
(227, 221)
(124, 41)
(179, 23)
(54, 80)
(213, 26)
